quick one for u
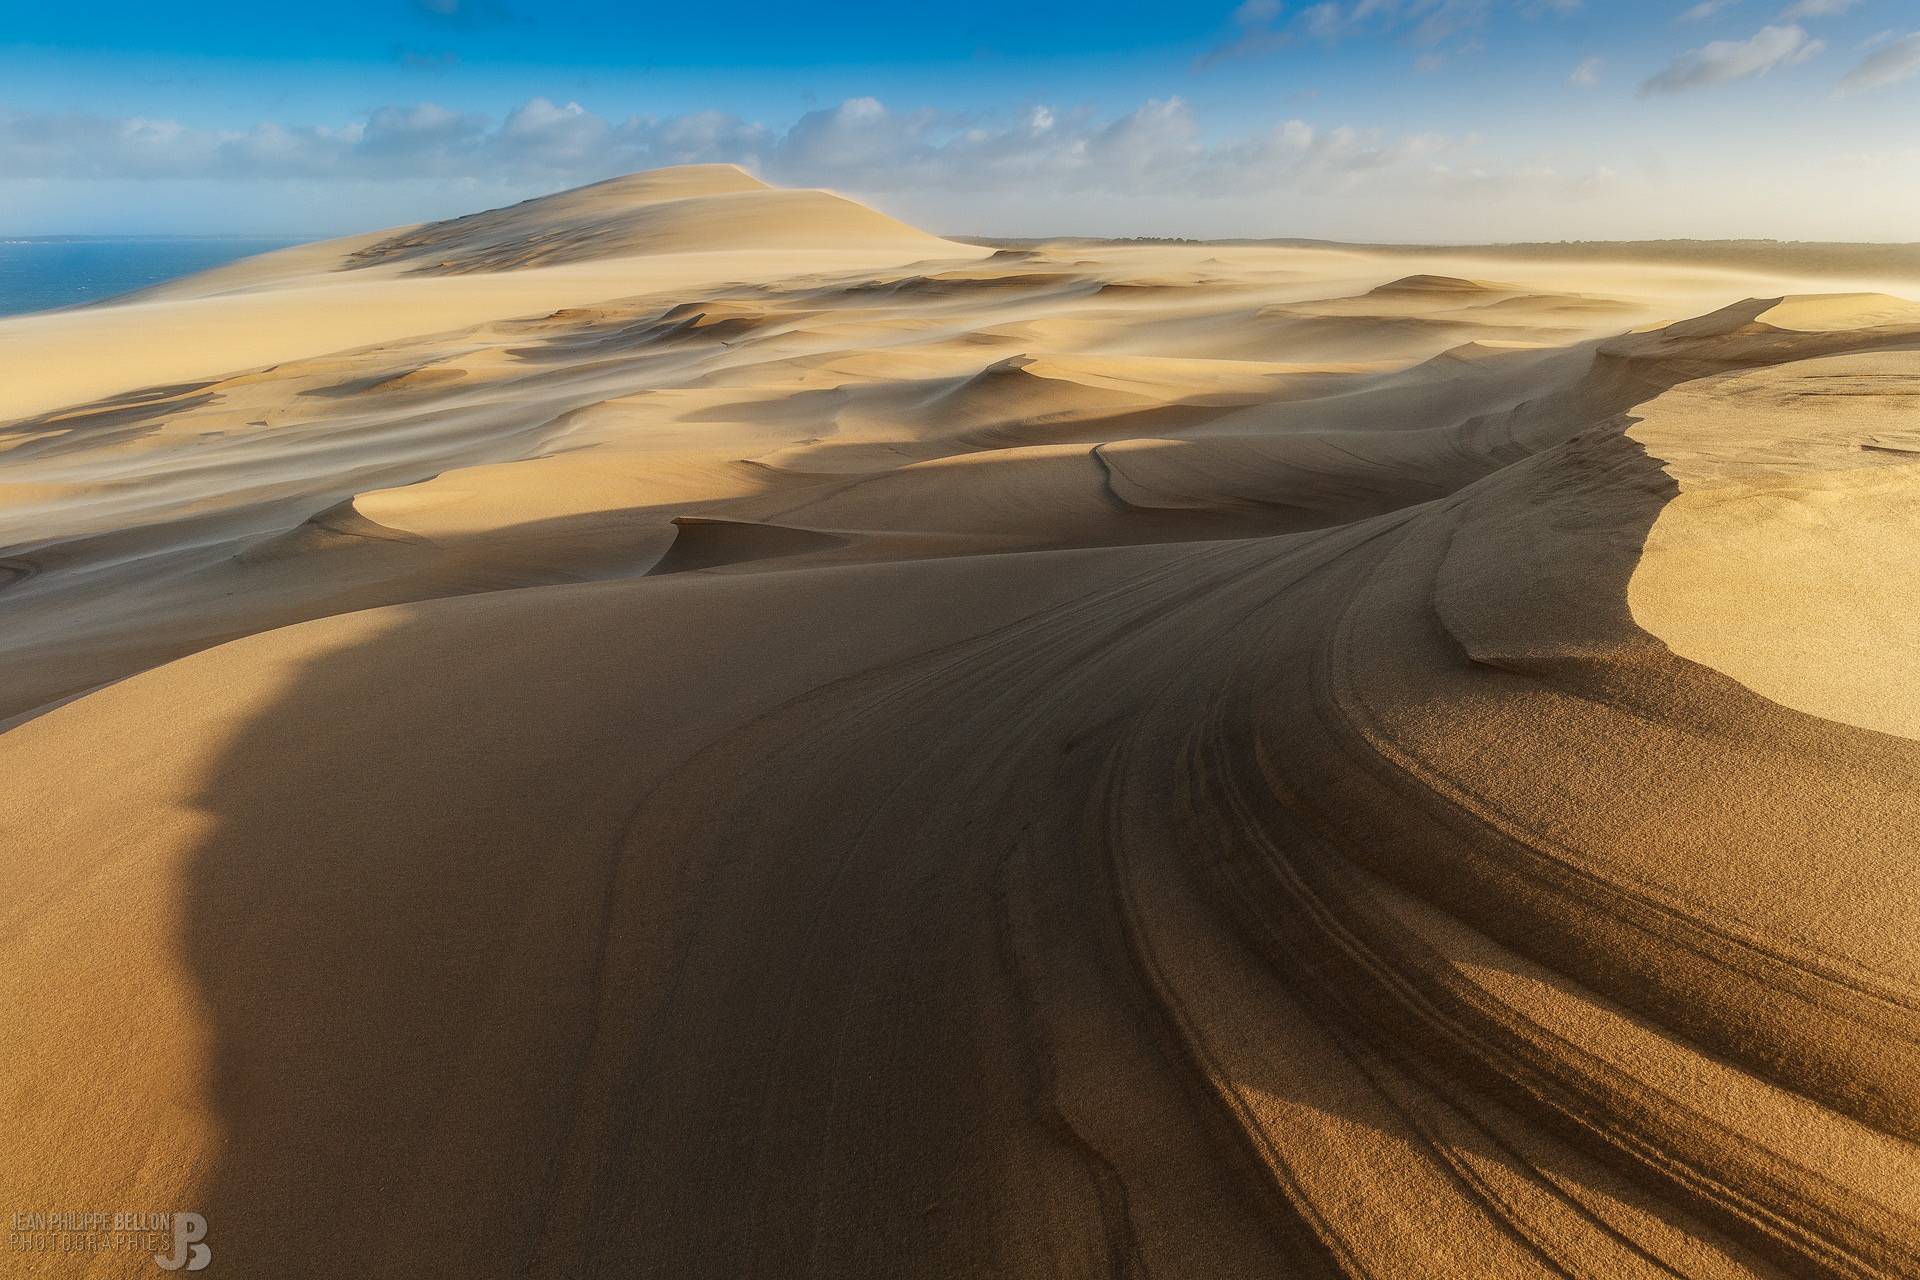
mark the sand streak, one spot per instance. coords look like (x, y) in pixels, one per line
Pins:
(688, 729)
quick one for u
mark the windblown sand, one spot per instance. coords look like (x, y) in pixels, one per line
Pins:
(690, 730)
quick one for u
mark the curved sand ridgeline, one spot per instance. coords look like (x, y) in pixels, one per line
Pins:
(703, 208)
(927, 785)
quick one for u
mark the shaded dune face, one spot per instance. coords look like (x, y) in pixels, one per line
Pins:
(834, 800)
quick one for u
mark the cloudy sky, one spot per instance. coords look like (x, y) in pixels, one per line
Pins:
(1429, 120)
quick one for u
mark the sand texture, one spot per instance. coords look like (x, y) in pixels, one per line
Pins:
(686, 729)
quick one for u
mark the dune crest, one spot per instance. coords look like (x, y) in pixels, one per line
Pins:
(699, 208)
(683, 728)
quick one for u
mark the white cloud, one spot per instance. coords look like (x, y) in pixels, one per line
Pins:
(1039, 168)
(1817, 9)
(1262, 26)
(861, 144)
(1725, 60)
(1450, 18)
(1324, 21)
(1706, 9)
(1897, 60)
(422, 140)
(1587, 74)
(1427, 21)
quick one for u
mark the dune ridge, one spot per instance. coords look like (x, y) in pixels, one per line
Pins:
(1199, 761)
(704, 208)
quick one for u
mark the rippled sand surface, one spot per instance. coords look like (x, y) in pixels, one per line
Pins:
(693, 730)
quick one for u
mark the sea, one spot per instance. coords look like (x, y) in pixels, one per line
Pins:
(43, 272)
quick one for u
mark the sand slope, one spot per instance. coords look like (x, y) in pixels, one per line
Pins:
(1178, 761)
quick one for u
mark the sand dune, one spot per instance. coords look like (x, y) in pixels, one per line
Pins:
(700, 208)
(687, 729)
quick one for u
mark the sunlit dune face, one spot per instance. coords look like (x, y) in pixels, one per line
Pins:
(1783, 561)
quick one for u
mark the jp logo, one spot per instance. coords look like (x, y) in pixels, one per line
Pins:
(188, 1230)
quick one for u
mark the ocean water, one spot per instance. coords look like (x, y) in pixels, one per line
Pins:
(59, 271)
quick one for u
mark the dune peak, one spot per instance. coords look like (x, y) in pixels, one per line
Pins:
(1429, 284)
(688, 208)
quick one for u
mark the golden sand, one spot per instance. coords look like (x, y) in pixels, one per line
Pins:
(692, 730)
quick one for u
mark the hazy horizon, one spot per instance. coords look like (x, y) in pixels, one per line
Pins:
(962, 234)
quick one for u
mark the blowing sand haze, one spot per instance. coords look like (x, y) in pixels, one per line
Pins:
(690, 728)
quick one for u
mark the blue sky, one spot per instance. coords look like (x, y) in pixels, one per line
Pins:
(1364, 119)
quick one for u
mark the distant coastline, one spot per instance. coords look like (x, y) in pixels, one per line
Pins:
(47, 273)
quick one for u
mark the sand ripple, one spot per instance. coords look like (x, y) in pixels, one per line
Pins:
(1182, 761)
